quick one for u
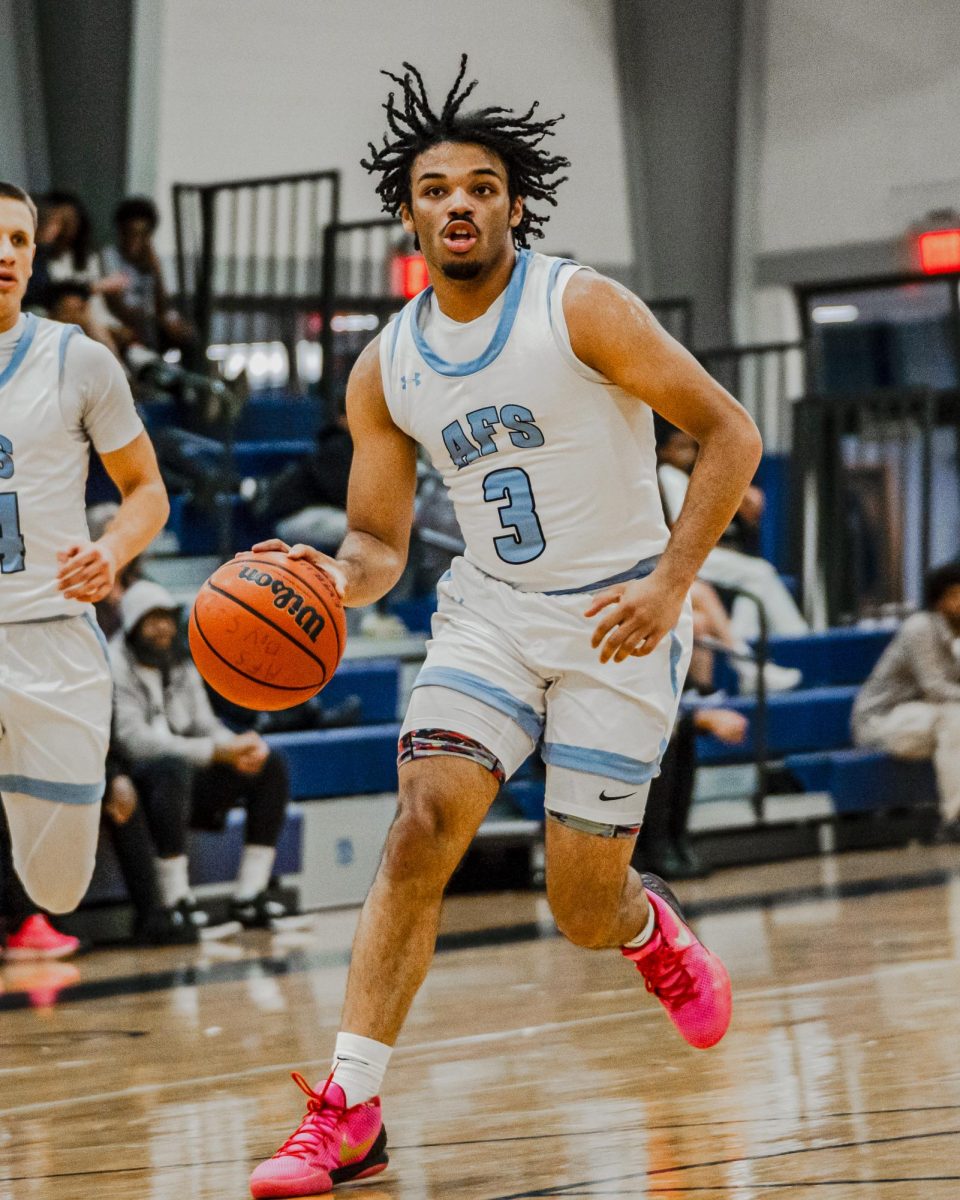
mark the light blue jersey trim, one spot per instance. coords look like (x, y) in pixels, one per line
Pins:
(47, 789)
(394, 337)
(640, 570)
(676, 653)
(99, 635)
(23, 345)
(552, 282)
(601, 762)
(66, 334)
(521, 714)
(511, 306)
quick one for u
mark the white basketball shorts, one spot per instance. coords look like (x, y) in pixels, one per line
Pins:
(514, 670)
(55, 705)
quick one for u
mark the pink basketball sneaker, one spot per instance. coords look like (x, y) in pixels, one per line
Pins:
(333, 1144)
(36, 939)
(691, 983)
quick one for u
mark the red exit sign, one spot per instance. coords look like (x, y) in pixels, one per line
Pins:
(939, 251)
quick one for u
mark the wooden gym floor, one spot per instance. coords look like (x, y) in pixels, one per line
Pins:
(528, 1068)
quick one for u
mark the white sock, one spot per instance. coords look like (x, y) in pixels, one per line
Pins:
(646, 933)
(255, 868)
(173, 879)
(359, 1065)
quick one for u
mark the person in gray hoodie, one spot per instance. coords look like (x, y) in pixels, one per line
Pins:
(910, 704)
(188, 768)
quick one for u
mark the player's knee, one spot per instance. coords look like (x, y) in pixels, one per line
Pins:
(417, 848)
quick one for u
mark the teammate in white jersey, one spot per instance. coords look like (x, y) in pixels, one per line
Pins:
(60, 393)
(565, 627)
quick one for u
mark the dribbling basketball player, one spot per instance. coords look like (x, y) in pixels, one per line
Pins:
(531, 382)
(60, 393)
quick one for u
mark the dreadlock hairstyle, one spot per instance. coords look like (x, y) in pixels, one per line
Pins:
(415, 127)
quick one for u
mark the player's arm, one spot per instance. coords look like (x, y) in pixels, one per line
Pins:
(614, 333)
(383, 478)
(88, 569)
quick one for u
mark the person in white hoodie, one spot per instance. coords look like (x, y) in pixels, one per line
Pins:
(188, 768)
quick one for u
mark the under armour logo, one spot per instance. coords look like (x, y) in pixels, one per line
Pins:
(416, 380)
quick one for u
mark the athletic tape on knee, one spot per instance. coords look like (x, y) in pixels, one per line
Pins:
(427, 743)
(594, 828)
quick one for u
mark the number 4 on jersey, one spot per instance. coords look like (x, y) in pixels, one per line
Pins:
(11, 542)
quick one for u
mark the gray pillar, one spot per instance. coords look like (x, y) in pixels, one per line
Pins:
(85, 60)
(678, 63)
(23, 139)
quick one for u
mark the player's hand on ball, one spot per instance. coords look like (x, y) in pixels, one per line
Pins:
(87, 571)
(639, 614)
(322, 561)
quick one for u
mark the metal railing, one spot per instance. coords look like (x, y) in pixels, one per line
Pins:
(766, 378)
(250, 257)
(867, 469)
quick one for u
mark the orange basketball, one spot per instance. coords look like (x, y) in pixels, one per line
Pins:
(267, 631)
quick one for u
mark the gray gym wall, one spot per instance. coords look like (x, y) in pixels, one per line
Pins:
(678, 66)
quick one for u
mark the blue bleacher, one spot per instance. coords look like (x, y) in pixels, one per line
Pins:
(813, 719)
(865, 780)
(374, 681)
(340, 762)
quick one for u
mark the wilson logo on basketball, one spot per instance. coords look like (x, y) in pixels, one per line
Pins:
(288, 600)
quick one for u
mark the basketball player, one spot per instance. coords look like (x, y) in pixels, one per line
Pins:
(566, 625)
(60, 393)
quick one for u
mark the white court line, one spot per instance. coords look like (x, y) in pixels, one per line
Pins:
(475, 1039)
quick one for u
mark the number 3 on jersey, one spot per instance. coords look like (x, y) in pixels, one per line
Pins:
(525, 542)
(11, 541)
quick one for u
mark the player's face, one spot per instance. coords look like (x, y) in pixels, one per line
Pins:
(16, 256)
(461, 210)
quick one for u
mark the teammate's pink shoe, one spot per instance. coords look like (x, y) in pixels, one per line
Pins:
(37, 938)
(332, 1145)
(691, 983)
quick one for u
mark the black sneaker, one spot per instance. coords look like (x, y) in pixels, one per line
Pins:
(166, 927)
(192, 913)
(262, 911)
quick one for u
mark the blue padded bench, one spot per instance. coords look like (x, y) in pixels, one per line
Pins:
(808, 720)
(340, 762)
(829, 659)
(270, 456)
(214, 857)
(262, 418)
(278, 417)
(197, 532)
(374, 681)
(865, 780)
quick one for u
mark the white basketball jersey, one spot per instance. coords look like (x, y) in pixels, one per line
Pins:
(551, 468)
(43, 475)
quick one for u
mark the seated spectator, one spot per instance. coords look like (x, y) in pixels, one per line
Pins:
(65, 255)
(307, 500)
(143, 304)
(910, 705)
(69, 302)
(187, 767)
(713, 631)
(730, 564)
(663, 845)
(124, 823)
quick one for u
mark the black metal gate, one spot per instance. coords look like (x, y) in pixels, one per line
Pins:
(251, 263)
